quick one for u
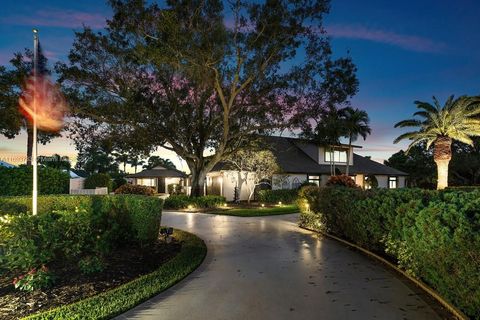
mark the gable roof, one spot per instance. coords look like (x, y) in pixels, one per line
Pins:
(158, 171)
(301, 156)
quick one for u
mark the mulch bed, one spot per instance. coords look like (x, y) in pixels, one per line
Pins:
(71, 285)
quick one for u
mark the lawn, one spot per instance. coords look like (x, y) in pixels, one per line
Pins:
(257, 211)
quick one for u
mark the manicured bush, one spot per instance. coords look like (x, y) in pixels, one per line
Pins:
(433, 235)
(18, 181)
(117, 182)
(82, 225)
(184, 201)
(275, 196)
(135, 189)
(342, 181)
(98, 180)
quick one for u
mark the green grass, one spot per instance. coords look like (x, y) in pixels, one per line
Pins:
(111, 303)
(258, 212)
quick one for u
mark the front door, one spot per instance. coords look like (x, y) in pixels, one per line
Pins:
(161, 185)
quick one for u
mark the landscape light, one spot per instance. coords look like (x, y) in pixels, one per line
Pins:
(279, 203)
(263, 205)
(190, 207)
(225, 204)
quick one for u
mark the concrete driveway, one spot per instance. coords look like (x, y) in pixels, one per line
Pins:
(269, 268)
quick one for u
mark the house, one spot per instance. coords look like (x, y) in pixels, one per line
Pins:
(301, 161)
(159, 178)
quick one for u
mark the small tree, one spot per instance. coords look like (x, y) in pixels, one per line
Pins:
(253, 167)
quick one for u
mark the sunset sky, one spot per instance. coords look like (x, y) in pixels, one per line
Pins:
(404, 50)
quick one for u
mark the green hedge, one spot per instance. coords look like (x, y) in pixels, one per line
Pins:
(98, 180)
(183, 201)
(116, 301)
(433, 235)
(275, 196)
(18, 181)
(68, 227)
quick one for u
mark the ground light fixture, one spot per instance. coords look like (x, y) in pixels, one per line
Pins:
(189, 207)
(263, 205)
(280, 203)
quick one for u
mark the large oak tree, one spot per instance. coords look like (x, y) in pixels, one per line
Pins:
(200, 77)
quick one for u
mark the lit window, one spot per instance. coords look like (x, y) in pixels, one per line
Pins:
(314, 179)
(392, 182)
(339, 156)
(147, 182)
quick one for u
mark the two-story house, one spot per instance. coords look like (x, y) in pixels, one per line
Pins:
(302, 160)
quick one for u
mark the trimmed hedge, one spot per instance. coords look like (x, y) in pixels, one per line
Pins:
(275, 196)
(98, 180)
(433, 235)
(183, 201)
(18, 181)
(135, 189)
(116, 301)
(68, 227)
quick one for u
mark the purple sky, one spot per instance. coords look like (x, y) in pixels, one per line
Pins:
(404, 50)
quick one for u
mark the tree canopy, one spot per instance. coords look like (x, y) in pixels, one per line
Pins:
(202, 77)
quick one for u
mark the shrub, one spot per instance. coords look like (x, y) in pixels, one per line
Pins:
(280, 195)
(433, 235)
(175, 189)
(85, 225)
(341, 181)
(90, 265)
(135, 189)
(34, 279)
(18, 181)
(117, 182)
(183, 201)
(98, 180)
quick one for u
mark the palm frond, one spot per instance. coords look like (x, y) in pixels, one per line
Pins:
(426, 106)
(408, 123)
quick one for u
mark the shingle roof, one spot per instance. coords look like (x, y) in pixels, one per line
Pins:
(300, 156)
(158, 172)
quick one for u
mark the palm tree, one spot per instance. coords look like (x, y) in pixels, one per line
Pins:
(135, 162)
(355, 122)
(456, 120)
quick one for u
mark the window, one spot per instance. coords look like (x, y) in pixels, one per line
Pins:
(146, 182)
(339, 156)
(314, 179)
(392, 182)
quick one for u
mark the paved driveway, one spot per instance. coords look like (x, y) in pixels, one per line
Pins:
(268, 268)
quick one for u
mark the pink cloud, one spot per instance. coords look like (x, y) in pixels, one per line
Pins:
(58, 18)
(407, 42)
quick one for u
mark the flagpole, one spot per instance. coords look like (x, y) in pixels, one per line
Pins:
(34, 148)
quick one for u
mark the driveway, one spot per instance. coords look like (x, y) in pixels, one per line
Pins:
(269, 268)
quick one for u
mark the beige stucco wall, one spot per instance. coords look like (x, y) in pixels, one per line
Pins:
(76, 184)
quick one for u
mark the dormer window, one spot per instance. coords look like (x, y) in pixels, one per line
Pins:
(338, 156)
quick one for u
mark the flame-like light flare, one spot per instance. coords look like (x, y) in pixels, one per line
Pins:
(50, 104)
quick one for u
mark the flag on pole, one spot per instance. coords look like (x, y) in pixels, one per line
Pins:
(43, 105)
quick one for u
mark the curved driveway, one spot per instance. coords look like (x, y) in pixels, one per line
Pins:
(269, 268)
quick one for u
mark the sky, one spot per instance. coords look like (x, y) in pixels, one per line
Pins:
(404, 51)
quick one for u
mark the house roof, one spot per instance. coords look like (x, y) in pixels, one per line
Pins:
(301, 156)
(158, 171)
(6, 164)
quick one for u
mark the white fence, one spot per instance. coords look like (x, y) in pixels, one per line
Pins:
(103, 190)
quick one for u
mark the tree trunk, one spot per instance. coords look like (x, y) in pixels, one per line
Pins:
(240, 182)
(29, 145)
(442, 154)
(198, 181)
(347, 171)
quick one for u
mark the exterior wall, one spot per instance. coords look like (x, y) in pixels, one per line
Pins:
(76, 184)
(169, 181)
(287, 181)
(401, 182)
(360, 180)
(382, 181)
